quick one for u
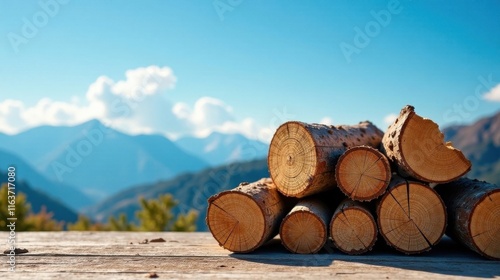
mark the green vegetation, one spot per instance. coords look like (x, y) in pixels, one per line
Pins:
(154, 215)
(22, 209)
(190, 189)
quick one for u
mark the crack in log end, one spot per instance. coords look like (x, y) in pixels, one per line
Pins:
(353, 230)
(400, 206)
(423, 235)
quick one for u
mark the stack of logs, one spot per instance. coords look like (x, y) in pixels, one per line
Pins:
(352, 183)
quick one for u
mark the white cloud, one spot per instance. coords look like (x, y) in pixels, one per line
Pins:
(129, 105)
(493, 94)
(389, 119)
(326, 120)
(136, 104)
(11, 120)
(209, 114)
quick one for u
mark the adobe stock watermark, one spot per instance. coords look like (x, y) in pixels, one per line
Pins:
(462, 111)
(31, 26)
(223, 6)
(362, 37)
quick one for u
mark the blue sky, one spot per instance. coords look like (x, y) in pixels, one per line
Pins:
(246, 66)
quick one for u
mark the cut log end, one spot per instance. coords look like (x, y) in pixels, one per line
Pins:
(244, 218)
(435, 160)
(303, 232)
(485, 225)
(363, 173)
(236, 222)
(353, 230)
(411, 217)
(292, 158)
(417, 146)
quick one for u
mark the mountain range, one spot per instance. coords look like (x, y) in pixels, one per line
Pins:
(218, 148)
(80, 165)
(103, 162)
(98, 160)
(65, 194)
(480, 143)
(190, 190)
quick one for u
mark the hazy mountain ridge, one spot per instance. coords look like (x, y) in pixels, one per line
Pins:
(38, 199)
(218, 148)
(99, 160)
(480, 143)
(191, 190)
(65, 194)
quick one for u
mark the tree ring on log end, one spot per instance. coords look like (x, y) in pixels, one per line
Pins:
(303, 232)
(353, 230)
(293, 160)
(363, 173)
(236, 222)
(485, 224)
(411, 217)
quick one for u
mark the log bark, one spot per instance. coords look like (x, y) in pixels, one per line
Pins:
(244, 218)
(418, 149)
(411, 216)
(363, 173)
(302, 157)
(304, 230)
(353, 228)
(474, 215)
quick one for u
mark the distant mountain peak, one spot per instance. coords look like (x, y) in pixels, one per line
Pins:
(219, 148)
(480, 142)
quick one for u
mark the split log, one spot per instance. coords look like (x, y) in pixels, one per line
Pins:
(474, 215)
(302, 157)
(244, 218)
(353, 228)
(411, 216)
(363, 173)
(418, 149)
(304, 230)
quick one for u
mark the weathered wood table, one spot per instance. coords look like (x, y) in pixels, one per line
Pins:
(118, 255)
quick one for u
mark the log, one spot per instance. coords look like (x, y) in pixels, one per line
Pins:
(244, 218)
(411, 216)
(304, 230)
(418, 149)
(353, 228)
(474, 215)
(363, 173)
(302, 157)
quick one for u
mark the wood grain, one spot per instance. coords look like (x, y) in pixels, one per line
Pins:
(109, 255)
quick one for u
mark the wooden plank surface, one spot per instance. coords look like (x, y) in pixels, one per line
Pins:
(118, 255)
